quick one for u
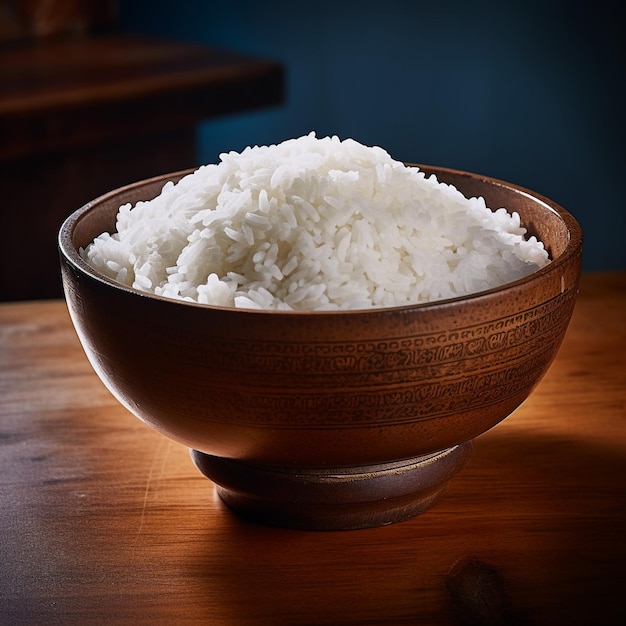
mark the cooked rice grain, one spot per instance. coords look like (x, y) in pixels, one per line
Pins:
(313, 224)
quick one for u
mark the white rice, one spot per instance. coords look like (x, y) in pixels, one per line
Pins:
(313, 224)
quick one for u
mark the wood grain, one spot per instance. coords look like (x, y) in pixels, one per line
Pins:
(104, 520)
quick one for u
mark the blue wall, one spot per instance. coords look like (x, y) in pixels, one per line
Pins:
(530, 92)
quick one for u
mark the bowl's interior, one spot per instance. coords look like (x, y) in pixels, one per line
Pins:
(542, 218)
(100, 215)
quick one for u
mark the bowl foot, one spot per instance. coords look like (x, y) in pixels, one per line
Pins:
(342, 498)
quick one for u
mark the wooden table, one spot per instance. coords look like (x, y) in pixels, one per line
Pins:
(80, 116)
(105, 521)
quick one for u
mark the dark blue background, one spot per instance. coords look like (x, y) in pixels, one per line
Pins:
(530, 92)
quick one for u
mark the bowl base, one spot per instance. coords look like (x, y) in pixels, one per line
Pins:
(344, 498)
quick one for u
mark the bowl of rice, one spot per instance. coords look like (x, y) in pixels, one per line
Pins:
(326, 328)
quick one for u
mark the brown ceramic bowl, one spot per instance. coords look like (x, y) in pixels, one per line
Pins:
(330, 419)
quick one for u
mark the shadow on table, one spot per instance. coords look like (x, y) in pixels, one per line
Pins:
(551, 550)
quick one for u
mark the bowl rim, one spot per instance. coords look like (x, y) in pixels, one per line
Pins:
(572, 248)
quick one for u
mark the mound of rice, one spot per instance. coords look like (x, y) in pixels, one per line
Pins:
(313, 224)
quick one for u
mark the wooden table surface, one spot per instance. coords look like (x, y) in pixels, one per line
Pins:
(105, 521)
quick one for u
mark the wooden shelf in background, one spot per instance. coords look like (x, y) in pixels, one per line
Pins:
(80, 116)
